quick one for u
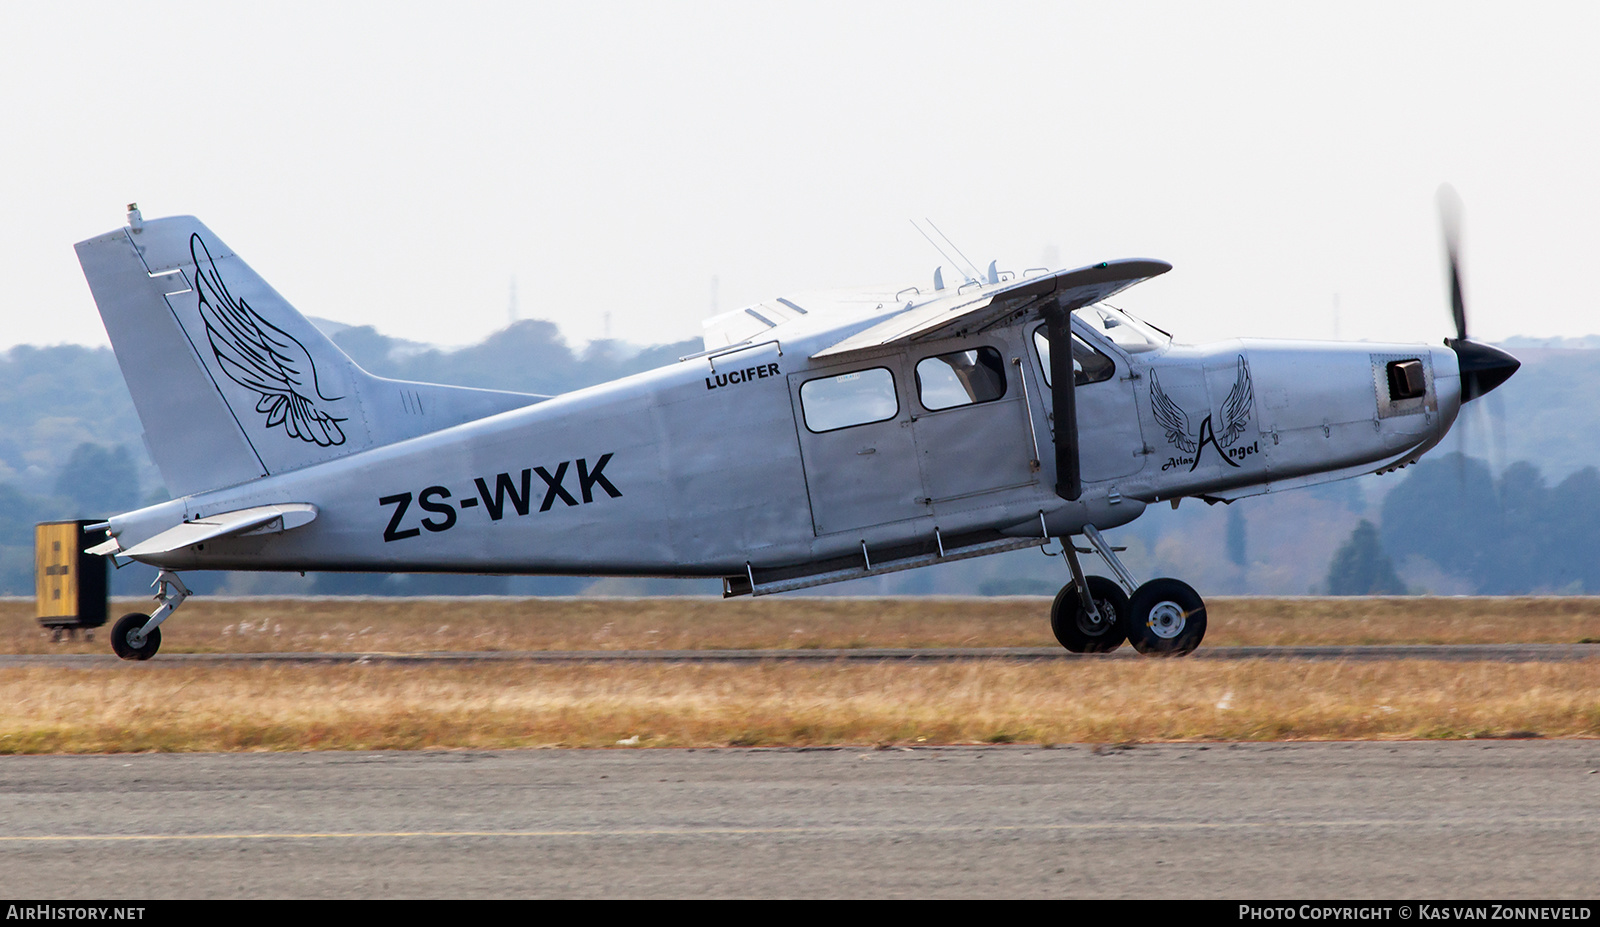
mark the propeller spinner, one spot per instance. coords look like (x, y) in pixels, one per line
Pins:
(1482, 367)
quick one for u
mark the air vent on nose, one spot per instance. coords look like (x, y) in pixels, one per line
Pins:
(1406, 379)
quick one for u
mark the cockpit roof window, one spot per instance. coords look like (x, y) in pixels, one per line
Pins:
(1121, 329)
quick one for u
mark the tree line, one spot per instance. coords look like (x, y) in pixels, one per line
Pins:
(1511, 534)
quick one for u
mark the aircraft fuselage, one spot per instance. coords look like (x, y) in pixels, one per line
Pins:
(731, 465)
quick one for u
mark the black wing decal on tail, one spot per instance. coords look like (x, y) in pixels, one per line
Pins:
(263, 358)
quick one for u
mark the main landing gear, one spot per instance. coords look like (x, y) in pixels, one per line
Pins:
(1163, 617)
(138, 637)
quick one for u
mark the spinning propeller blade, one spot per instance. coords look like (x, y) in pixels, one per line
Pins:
(1482, 367)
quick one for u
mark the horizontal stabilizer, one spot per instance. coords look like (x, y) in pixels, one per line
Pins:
(261, 519)
(952, 315)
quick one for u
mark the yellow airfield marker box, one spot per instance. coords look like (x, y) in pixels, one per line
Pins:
(71, 584)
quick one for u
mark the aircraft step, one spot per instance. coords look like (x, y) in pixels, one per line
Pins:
(886, 560)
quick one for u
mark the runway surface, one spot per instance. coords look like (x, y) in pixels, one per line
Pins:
(1414, 820)
(1463, 653)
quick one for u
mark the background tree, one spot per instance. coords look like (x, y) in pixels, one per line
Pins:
(1447, 510)
(1362, 568)
(1236, 537)
(99, 481)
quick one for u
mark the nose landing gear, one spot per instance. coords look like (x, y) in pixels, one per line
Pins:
(1163, 617)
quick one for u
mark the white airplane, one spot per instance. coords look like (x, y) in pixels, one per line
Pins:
(818, 438)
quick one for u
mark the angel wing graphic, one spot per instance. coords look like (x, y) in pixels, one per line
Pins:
(263, 358)
(1171, 418)
(1236, 408)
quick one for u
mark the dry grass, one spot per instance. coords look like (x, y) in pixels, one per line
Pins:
(232, 708)
(380, 624)
(138, 707)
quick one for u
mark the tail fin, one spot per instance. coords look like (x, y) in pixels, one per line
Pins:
(230, 382)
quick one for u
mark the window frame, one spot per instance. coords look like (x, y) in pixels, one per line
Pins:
(894, 390)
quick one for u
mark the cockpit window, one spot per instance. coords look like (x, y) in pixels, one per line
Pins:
(1088, 364)
(961, 378)
(1121, 329)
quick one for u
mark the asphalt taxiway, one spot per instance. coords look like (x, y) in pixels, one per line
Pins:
(1410, 820)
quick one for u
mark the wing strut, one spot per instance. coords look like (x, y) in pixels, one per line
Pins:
(1063, 401)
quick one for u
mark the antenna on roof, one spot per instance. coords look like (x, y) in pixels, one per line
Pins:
(952, 244)
(940, 284)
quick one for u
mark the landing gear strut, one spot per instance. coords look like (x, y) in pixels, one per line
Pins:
(137, 636)
(1163, 617)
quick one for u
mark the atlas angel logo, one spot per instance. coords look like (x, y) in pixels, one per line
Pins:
(263, 358)
(1235, 415)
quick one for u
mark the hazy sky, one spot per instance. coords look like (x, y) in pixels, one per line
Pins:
(397, 165)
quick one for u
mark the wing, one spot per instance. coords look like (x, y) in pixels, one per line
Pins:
(263, 358)
(1236, 409)
(1171, 418)
(978, 310)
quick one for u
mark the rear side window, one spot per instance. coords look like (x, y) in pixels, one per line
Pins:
(849, 399)
(961, 378)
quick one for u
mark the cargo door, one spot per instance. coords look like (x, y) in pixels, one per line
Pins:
(857, 446)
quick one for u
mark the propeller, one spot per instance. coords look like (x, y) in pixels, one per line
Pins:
(1482, 367)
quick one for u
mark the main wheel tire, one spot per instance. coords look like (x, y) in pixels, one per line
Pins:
(1076, 630)
(1166, 617)
(126, 625)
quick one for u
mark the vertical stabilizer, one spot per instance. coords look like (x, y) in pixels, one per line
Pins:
(230, 382)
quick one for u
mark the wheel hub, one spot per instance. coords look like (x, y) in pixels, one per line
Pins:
(1167, 619)
(1107, 616)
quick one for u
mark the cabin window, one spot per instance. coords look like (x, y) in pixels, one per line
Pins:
(848, 399)
(961, 378)
(1088, 364)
